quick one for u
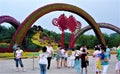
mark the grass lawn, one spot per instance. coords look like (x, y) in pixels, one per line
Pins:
(25, 55)
(34, 54)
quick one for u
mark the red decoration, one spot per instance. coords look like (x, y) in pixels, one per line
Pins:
(61, 23)
(72, 25)
(67, 23)
(72, 40)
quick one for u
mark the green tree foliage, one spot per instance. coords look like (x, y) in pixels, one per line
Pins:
(112, 40)
(88, 40)
(67, 38)
(6, 33)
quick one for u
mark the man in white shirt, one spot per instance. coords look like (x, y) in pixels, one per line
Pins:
(50, 54)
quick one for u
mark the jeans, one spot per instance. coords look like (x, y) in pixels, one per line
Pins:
(19, 61)
(49, 62)
(42, 68)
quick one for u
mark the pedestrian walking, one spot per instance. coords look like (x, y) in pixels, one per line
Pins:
(58, 57)
(43, 60)
(50, 55)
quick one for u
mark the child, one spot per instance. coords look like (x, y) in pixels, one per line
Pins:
(43, 60)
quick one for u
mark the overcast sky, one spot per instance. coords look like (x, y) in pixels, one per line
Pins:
(107, 11)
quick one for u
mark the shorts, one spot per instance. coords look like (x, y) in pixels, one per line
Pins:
(65, 58)
(57, 58)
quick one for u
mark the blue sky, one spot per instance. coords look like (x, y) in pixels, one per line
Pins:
(107, 11)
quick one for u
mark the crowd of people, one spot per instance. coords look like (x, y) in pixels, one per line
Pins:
(77, 59)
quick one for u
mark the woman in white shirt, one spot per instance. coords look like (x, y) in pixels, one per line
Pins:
(71, 59)
(18, 57)
(43, 60)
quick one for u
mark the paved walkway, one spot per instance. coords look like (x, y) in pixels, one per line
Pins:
(8, 67)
